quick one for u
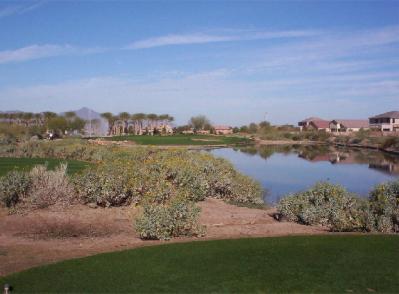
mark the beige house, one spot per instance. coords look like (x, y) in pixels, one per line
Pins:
(203, 132)
(348, 125)
(386, 122)
(188, 132)
(223, 130)
(314, 123)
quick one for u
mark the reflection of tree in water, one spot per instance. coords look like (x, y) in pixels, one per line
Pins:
(266, 151)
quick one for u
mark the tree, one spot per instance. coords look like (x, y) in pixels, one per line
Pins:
(111, 120)
(253, 128)
(58, 124)
(70, 115)
(124, 116)
(199, 122)
(77, 124)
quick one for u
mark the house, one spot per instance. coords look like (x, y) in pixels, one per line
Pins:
(348, 125)
(203, 132)
(314, 123)
(386, 122)
(188, 132)
(223, 130)
(319, 125)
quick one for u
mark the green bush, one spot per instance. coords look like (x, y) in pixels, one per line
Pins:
(327, 205)
(384, 206)
(158, 176)
(13, 187)
(166, 221)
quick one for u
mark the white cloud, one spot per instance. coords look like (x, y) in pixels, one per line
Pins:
(19, 9)
(42, 51)
(201, 38)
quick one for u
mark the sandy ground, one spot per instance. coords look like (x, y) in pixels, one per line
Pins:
(49, 235)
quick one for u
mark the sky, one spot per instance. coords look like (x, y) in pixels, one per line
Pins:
(234, 61)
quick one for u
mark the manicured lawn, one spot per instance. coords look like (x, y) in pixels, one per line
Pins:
(181, 140)
(11, 163)
(265, 265)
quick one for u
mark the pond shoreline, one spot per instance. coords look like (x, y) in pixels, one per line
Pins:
(327, 143)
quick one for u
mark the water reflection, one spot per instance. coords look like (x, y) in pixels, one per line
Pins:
(381, 161)
(291, 168)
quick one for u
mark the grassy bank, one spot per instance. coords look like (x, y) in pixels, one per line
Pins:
(8, 164)
(182, 140)
(291, 264)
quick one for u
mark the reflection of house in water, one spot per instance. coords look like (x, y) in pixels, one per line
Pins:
(386, 167)
(378, 161)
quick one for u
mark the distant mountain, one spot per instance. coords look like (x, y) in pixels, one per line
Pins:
(87, 114)
(11, 111)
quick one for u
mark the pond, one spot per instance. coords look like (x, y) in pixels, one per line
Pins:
(287, 169)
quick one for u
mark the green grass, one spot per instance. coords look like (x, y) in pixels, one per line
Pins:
(12, 163)
(181, 140)
(266, 265)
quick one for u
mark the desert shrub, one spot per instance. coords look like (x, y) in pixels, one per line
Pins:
(163, 222)
(390, 142)
(105, 185)
(328, 205)
(65, 149)
(158, 176)
(48, 187)
(384, 206)
(13, 187)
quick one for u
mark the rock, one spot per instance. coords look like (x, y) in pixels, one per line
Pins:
(92, 205)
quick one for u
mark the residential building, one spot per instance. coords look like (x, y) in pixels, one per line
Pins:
(319, 125)
(314, 123)
(188, 132)
(223, 130)
(203, 132)
(348, 125)
(386, 122)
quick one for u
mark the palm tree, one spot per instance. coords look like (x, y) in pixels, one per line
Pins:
(27, 117)
(38, 118)
(139, 118)
(111, 120)
(70, 115)
(151, 118)
(124, 117)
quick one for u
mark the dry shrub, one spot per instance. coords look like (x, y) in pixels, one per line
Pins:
(49, 187)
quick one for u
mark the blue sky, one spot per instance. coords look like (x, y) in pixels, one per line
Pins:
(236, 62)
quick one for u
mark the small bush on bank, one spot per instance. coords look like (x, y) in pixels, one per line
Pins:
(163, 222)
(13, 188)
(38, 188)
(49, 187)
(331, 205)
(328, 205)
(384, 206)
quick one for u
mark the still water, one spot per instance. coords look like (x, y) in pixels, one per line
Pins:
(287, 169)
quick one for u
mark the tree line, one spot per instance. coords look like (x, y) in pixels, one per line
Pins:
(40, 123)
(137, 123)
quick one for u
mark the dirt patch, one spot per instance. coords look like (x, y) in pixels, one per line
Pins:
(53, 234)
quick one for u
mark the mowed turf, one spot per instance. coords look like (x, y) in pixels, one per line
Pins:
(12, 163)
(330, 264)
(181, 140)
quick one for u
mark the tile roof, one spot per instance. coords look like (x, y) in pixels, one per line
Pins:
(353, 123)
(321, 124)
(309, 119)
(222, 127)
(390, 114)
